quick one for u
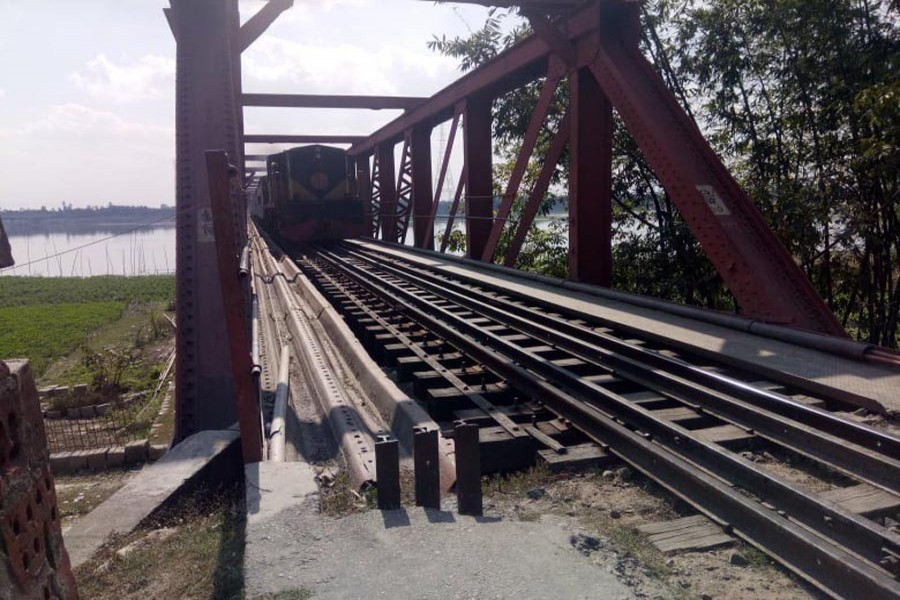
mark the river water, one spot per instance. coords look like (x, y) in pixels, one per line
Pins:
(142, 252)
(148, 251)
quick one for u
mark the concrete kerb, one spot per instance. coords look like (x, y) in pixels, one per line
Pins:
(205, 458)
(395, 407)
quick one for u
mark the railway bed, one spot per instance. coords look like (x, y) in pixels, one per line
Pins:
(549, 383)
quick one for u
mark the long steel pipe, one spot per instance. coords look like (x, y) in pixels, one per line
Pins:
(282, 392)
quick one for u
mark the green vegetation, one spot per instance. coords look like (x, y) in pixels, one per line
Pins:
(801, 101)
(94, 321)
(25, 291)
(44, 332)
(193, 549)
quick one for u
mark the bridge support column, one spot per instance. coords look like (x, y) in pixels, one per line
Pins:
(364, 190)
(421, 192)
(590, 181)
(206, 117)
(479, 174)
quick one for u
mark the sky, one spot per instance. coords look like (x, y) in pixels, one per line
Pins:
(87, 88)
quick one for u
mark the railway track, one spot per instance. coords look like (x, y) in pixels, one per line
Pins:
(539, 376)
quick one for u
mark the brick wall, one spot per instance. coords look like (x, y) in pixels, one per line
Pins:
(33, 560)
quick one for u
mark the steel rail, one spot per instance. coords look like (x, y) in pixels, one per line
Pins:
(854, 531)
(823, 540)
(858, 433)
(472, 394)
(730, 400)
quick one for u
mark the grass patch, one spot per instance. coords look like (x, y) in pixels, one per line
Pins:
(24, 291)
(518, 483)
(201, 558)
(338, 498)
(44, 332)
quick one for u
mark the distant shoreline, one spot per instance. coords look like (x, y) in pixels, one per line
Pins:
(108, 219)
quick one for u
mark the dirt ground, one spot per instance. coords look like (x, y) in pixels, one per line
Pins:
(609, 504)
(79, 494)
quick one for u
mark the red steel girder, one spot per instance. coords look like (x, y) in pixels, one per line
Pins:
(375, 197)
(538, 192)
(237, 340)
(454, 208)
(206, 117)
(6, 257)
(387, 192)
(301, 139)
(365, 191)
(329, 101)
(590, 181)
(422, 199)
(258, 23)
(763, 277)
(428, 240)
(538, 116)
(520, 64)
(478, 150)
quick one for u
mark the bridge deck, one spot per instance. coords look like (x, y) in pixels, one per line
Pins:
(868, 383)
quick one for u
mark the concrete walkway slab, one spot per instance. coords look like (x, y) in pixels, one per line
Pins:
(149, 489)
(418, 554)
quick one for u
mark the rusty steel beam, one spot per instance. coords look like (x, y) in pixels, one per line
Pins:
(538, 192)
(538, 116)
(330, 101)
(237, 341)
(387, 188)
(206, 117)
(428, 240)
(422, 199)
(590, 181)
(302, 139)
(258, 23)
(364, 189)
(762, 275)
(520, 64)
(478, 150)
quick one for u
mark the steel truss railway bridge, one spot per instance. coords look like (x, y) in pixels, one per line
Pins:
(453, 349)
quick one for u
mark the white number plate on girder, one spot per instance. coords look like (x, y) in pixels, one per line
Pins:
(713, 200)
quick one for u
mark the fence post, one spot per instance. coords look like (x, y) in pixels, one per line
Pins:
(425, 458)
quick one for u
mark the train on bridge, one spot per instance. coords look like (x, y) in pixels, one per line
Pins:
(308, 196)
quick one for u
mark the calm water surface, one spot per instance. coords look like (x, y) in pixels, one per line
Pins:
(142, 252)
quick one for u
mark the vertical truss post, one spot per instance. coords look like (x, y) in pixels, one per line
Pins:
(364, 189)
(236, 338)
(479, 176)
(387, 191)
(590, 181)
(206, 110)
(422, 199)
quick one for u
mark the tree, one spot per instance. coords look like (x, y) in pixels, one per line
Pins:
(800, 98)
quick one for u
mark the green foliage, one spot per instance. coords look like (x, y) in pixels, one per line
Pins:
(44, 332)
(800, 98)
(23, 291)
(106, 366)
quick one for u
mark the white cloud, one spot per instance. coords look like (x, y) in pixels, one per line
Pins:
(76, 120)
(148, 78)
(344, 68)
